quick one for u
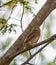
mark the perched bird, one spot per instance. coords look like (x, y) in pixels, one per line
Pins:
(32, 37)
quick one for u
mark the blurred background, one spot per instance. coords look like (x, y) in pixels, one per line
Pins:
(48, 55)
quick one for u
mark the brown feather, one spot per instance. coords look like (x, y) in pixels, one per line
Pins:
(30, 36)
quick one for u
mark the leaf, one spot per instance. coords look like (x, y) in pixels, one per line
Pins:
(14, 30)
(12, 3)
(4, 29)
(11, 28)
(2, 23)
(21, 1)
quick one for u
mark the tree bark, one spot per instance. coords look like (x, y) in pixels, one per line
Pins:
(47, 8)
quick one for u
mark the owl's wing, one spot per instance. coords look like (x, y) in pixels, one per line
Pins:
(30, 36)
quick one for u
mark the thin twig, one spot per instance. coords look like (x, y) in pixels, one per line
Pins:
(10, 14)
(5, 3)
(12, 8)
(22, 18)
(26, 62)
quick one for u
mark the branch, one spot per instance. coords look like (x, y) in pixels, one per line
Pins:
(5, 3)
(10, 14)
(27, 61)
(48, 42)
(22, 18)
(37, 45)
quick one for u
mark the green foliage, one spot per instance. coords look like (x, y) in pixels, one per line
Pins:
(26, 4)
(4, 27)
(8, 28)
(11, 3)
(2, 22)
(11, 27)
(21, 1)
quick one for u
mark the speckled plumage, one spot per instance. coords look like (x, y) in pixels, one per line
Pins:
(33, 36)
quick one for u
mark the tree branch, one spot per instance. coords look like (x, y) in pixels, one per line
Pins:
(27, 61)
(48, 42)
(37, 45)
(22, 18)
(5, 3)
